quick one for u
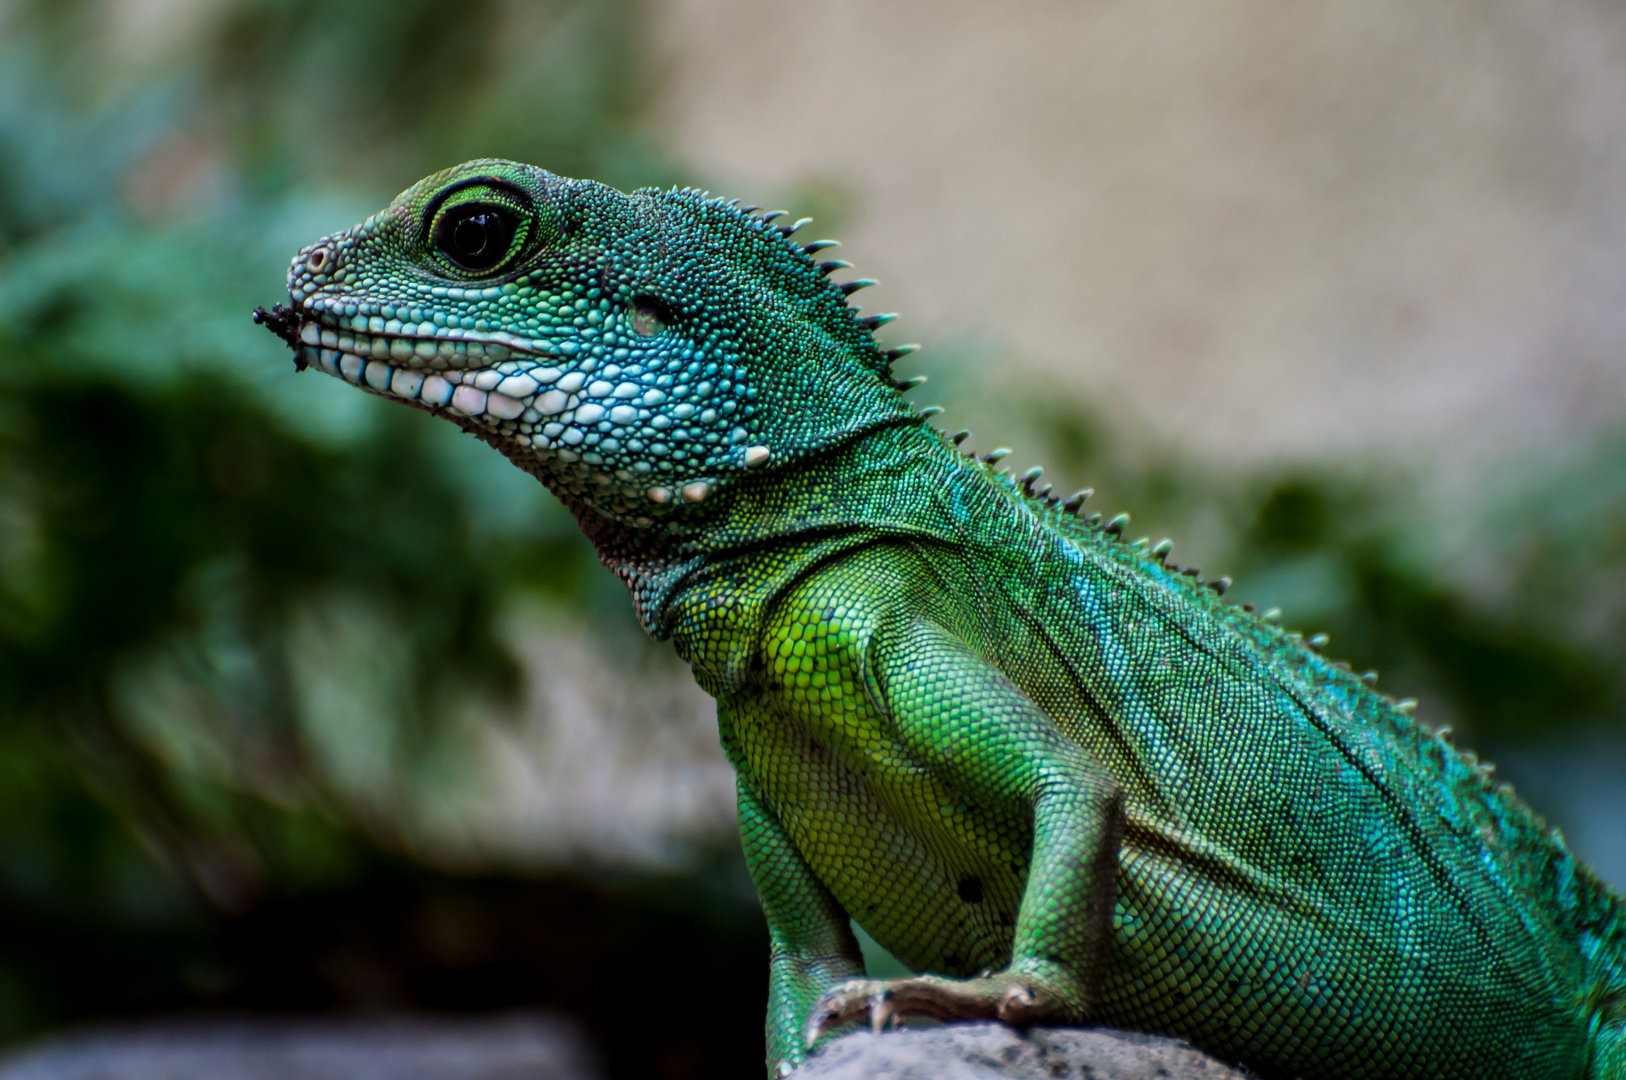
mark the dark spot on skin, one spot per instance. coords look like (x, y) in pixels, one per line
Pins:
(970, 890)
(951, 962)
(284, 322)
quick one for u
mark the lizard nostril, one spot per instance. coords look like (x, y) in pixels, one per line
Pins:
(316, 261)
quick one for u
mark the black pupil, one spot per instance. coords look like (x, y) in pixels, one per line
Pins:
(473, 234)
(477, 240)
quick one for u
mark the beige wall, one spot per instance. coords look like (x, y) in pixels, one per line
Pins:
(1266, 228)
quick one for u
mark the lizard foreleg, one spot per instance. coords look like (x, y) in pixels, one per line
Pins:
(812, 947)
(966, 722)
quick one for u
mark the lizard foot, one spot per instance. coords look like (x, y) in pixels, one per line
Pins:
(1013, 999)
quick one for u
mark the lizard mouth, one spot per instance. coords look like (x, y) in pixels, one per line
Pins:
(548, 395)
(496, 377)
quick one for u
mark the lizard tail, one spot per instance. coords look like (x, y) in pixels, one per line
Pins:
(1608, 1025)
(1602, 913)
(1609, 1053)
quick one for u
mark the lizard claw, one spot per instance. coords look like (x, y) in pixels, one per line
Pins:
(1012, 999)
(880, 1011)
(846, 1003)
(1017, 1005)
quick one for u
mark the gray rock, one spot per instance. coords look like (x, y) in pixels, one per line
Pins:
(516, 1047)
(995, 1052)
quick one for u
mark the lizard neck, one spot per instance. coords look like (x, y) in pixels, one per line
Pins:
(725, 562)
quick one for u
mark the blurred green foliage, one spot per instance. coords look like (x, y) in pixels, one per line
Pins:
(241, 612)
(236, 612)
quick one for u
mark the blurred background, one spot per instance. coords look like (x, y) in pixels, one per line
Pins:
(309, 705)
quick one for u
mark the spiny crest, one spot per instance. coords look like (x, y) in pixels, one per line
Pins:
(801, 262)
(1067, 516)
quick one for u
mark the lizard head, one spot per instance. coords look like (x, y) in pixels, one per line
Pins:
(637, 352)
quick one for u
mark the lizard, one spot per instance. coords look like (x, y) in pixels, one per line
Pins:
(1060, 779)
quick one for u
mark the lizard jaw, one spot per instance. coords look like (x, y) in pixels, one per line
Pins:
(479, 378)
(496, 380)
(526, 396)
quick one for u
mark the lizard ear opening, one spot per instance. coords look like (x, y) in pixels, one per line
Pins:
(649, 315)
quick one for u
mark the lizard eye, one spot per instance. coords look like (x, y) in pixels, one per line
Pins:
(477, 236)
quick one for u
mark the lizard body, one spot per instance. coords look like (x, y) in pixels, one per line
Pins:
(1060, 778)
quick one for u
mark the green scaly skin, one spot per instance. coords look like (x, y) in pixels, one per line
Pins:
(1056, 776)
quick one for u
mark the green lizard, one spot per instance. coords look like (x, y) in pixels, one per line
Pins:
(1061, 779)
